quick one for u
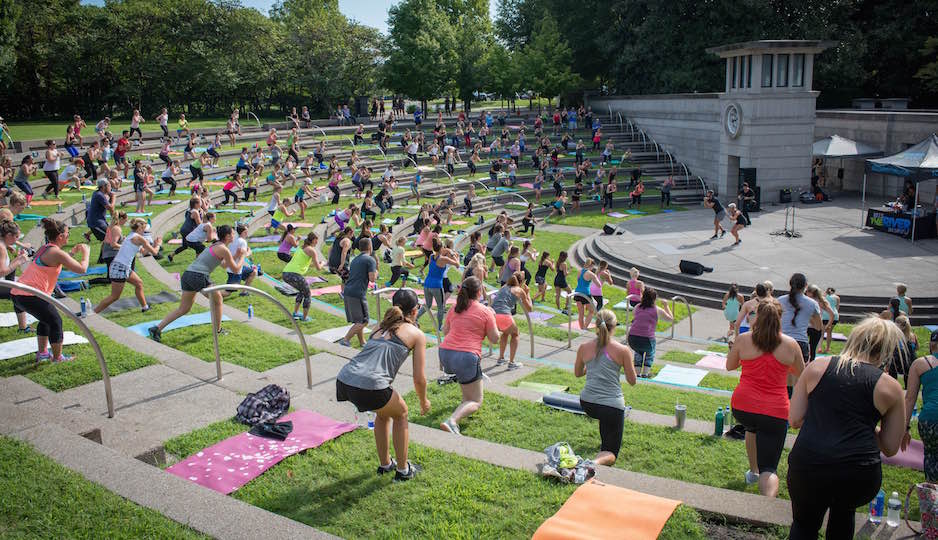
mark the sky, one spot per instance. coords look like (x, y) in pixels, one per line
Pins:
(369, 12)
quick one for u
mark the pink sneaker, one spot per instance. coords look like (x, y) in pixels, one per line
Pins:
(43, 356)
(63, 358)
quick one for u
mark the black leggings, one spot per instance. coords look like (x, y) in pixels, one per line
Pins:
(472, 166)
(198, 247)
(248, 191)
(398, 272)
(285, 257)
(468, 205)
(172, 183)
(814, 339)
(611, 422)
(840, 488)
(230, 195)
(335, 193)
(197, 174)
(369, 213)
(91, 170)
(607, 201)
(298, 282)
(665, 198)
(50, 322)
(528, 224)
(770, 435)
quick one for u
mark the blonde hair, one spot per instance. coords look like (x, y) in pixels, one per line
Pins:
(901, 289)
(605, 326)
(477, 260)
(873, 341)
(903, 323)
(138, 224)
(633, 272)
(769, 286)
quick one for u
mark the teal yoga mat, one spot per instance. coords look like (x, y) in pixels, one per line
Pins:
(193, 319)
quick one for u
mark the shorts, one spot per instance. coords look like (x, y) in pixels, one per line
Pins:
(539, 279)
(499, 260)
(274, 223)
(504, 321)
(805, 350)
(611, 425)
(467, 366)
(356, 310)
(193, 281)
(119, 272)
(770, 437)
(341, 272)
(364, 400)
(581, 298)
(120, 160)
(721, 215)
(246, 271)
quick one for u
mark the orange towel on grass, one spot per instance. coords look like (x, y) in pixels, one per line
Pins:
(601, 511)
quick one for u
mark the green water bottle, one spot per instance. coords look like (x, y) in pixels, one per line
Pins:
(718, 423)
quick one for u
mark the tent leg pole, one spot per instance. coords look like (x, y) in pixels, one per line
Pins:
(863, 201)
(914, 213)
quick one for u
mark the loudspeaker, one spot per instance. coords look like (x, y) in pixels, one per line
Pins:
(784, 196)
(840, 173)
(693, 268)
(608, 229)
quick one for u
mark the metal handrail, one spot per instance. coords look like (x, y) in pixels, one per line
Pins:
(670, 161)
(690, 315)
(628, 314)
(644, 138)
(620, 119)
(322, 131)
(686, 174)
(216, 319)
(378, 292)
(570, 315)
(105, 377)
(657, 150)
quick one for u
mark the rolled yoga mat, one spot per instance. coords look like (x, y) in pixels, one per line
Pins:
(564, 402)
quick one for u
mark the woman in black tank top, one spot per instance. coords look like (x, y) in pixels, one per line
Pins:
(838, 403)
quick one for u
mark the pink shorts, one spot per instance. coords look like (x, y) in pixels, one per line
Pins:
(504, 321)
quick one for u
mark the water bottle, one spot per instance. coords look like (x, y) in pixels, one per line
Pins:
(371, 419)
(894, 509)
(250, 311)
(259, 271)
(876, 507)
(84, 306)
(728, 416)
(83, 198)
(718, 423)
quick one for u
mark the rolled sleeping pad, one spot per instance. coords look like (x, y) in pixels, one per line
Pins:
(564, 402)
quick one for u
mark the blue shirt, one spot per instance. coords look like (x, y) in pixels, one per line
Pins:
(798, 330)
(97, 209)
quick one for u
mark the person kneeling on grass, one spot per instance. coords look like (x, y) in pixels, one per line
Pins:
(601, 398)
(760, 401)
(362, 271)
(121, 268)
(504, 302)
(366, 381)
(196, 278)
(295, 271)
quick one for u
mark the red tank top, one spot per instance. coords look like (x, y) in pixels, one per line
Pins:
(762, 387)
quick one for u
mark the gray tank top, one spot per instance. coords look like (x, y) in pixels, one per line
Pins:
(375, 367)
(108, 252)
(504, 302)
(206, 262)
(602, 382)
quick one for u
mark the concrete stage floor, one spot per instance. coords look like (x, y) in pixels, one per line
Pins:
(832, 251)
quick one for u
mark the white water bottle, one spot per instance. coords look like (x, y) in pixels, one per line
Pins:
(894, 509)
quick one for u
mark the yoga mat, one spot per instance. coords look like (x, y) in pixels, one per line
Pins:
(139, 214)
(28, 345)
(544, 388)
(253, 203)
(388, 221)
(912, 458)
(214, 184)
(540, 316)
(121, 304)
(235, 461)
(622, 305)
(667, 210)
(457, 222)
(335, 334)
(164, 201)
(837, 336)
(680, 375)
(528, 185)
(192, 319)
(601, 511)
(634, 212)
(931, 327)
(262, 239)
(505, 189)
(230, 211)
(712, 360)
(315, 279)
(178, 192)
(564, 402)
(705, 353)
(413, 253)
(9, 319)
(92, 271)
(175, 241)
(331, 289)
(28, 217)
(269, 248)
(616, 214)
(300, 225)
(47, 203)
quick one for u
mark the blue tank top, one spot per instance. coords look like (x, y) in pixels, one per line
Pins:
(582, 284)
(434, 279)
(929, 393)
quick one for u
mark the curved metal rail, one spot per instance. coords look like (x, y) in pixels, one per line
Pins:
(644, 138)
(105, 377)
(670, 161)
(216, 319)
(321, 131)
(686, 174)
(690, 314)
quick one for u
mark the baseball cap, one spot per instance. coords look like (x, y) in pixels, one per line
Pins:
(934, 336)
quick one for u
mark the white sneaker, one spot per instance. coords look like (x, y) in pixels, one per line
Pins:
(514, 365)
(751, 478)
(450, 426)
(501, 362)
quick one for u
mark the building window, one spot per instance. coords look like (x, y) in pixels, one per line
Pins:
(766, 70)
(749, 71)
(733, 61)
(797, 70)
(781, 73)
(743, 68)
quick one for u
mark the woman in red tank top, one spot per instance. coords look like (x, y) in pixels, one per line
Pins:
(760, 401)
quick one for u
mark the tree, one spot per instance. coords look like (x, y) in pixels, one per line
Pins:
(547, 60)
(929, 72)
(515, 21)
(504, 77)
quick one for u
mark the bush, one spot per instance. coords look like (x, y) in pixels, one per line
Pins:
(411, 108)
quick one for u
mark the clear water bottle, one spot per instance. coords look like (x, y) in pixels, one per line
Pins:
(876, 507)
(250, 311)
(370, 415)
(894, 508)
(84, 306)
(718, 423)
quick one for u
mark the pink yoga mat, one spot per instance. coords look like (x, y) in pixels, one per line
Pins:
(175, 241)
(528, 185)
(712, 361)
(235, 461)
(315, 279)
(301, 225)
(912, 458)
(331, 289)
(540, 316)
(457, 222)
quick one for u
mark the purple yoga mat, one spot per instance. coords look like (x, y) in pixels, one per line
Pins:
(261, 239)
(540, 316)
(235, 461)
(315, 279)
(912, 458)
(158, 202)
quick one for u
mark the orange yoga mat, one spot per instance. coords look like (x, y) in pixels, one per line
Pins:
(600, 511)
(47, 203)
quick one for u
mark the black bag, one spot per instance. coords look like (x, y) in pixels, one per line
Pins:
(270, 403)
(693, 268)
(608, 229)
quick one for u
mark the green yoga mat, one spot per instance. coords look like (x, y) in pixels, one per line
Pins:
(544, 388)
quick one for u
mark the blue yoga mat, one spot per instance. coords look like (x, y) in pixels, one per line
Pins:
(269, 248)
(92, 271)
(139, 214)
(193, 319)
(564, 402)
(178, 192)
(28, 217)
(931, 327)
(634, 212)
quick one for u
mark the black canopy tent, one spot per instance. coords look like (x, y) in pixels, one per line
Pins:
(917, 163)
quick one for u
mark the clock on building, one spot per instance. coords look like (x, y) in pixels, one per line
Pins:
(732, 120)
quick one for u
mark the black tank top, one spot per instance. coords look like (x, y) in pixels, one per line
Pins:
(188, 225)
(335, 253)
(541, 270)
(839, 425)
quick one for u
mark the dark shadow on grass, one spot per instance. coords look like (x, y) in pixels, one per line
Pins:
(325, 505)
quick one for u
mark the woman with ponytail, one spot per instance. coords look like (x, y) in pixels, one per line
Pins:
(366, 381)
(797, 312)
(601, 361)
(464, 328)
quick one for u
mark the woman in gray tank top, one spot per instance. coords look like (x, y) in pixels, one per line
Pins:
(504, 303)
(366, 381)
(602, 361)
(196, 278)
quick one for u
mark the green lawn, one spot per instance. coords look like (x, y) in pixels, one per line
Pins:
(22, 131)
(334, 488)
(594, 219)
(42, 499)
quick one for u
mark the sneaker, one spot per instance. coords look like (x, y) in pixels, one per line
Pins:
(144, 309)
(751, 477)
(501, 362)
(450, 426)
(223, 332)
(344, 342)
(390, 467)
(243, 293)
(713, 237)
(514, 365)
(170, 257)
(43, 356)
(722, 233)
(297, 316)
(63, 358)
(411, 473)
(27, 330)
(155, 334)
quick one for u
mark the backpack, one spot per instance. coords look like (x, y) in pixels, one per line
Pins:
(270, 403)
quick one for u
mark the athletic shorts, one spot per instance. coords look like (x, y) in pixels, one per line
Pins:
(721, 215)
(466, 366)
(770, 437)
(274, 223)
(246, 272)
(119, 272)
(364, 400)
(356, 310)
(504, 321)
(193, 281)
(580, 298)
(499, 260)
